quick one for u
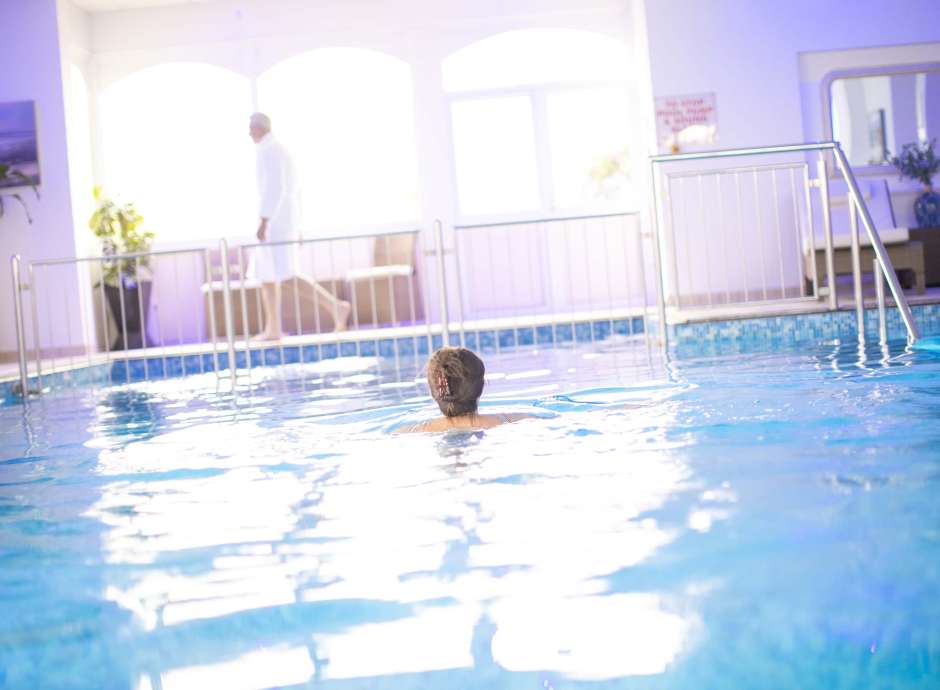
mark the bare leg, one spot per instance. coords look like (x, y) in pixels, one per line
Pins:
(271, 301)
(337, 308)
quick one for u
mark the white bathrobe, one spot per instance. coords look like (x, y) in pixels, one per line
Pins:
(279, 197)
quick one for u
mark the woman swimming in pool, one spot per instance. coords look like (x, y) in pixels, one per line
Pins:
(455, 376)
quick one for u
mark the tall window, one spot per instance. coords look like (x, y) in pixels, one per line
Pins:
(541, 123)
(175, 142)
(347, 115)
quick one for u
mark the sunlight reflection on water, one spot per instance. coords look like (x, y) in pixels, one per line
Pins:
(644, 525)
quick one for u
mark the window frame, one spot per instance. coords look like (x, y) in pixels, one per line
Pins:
(538, 99)
(859, 73)
(358, 226)
(105, 174)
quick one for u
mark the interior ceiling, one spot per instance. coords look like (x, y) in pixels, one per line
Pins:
(111, 5)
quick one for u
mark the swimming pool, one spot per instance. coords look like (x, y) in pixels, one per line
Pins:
(733, 521)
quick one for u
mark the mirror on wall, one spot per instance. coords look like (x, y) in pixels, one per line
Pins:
(874, 115)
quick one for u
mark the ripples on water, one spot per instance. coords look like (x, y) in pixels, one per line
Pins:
(723, 521)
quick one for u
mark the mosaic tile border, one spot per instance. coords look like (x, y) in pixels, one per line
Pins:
(776, 331)
(485, 340)
(733, 334)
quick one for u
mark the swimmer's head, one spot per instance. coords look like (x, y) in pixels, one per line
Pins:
(455, 376)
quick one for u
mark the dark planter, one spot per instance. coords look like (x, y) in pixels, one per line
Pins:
(927, 209)
(136, 295)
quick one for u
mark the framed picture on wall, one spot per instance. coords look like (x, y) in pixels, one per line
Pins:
(19, 143)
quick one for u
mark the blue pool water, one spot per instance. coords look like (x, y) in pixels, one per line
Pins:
(720, 521)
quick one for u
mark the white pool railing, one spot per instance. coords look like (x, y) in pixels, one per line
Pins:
(562, 269)
(563, 279)
(784, 226)
(196, 310)
(202, 302)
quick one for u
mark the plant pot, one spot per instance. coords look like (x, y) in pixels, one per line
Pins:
(136, 296)
(927, 209)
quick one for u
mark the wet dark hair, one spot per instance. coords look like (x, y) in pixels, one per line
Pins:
(455, 376)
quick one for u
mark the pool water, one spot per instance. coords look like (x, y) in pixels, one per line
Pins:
(718, 521)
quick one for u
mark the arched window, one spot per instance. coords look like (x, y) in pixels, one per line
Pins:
(541, 123)
(347, 115)
(175, 142)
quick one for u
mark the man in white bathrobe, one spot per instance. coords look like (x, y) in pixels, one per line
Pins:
(280, 221)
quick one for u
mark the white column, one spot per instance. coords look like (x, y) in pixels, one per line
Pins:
(438, 194)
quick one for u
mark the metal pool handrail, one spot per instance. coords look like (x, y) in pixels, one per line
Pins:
(24, 279)
(632, 245)
(31, 284)
(428, 259)
(230, 291)
(550, 219)
(857, 206)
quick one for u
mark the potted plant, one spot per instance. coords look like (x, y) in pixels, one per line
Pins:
(919, 162)
(10, 177)
(127, 282)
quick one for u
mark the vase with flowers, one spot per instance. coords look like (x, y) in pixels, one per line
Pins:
(919, 162)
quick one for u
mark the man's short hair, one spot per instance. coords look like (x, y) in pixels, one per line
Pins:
(261, 121)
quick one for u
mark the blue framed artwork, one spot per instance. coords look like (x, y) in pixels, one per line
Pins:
(19, 143)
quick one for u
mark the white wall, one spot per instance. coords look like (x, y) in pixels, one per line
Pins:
(747, 52)
(32, 70)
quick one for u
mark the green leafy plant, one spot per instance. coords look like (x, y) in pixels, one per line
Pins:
(9, 177)
(118, 227)
(918, 162)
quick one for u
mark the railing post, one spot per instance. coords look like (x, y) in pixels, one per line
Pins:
(823, 176)
(856, 270)
(20, 329)
(459, 278)
(880, 297)
(34, 309)
(227, 302)
(657, 259)
(441, 280)
(210, 302)
(876, 243)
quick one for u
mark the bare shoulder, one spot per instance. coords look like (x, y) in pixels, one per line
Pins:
(487, 421)
(424, 427)
(481, 421)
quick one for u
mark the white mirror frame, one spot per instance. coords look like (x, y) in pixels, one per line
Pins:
(882, 71)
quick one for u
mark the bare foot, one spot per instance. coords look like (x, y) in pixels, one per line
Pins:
(343, 310)
(266, 337)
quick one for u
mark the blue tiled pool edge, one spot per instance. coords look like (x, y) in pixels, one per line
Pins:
(777, 331)
(493, 340)
(746, 333)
